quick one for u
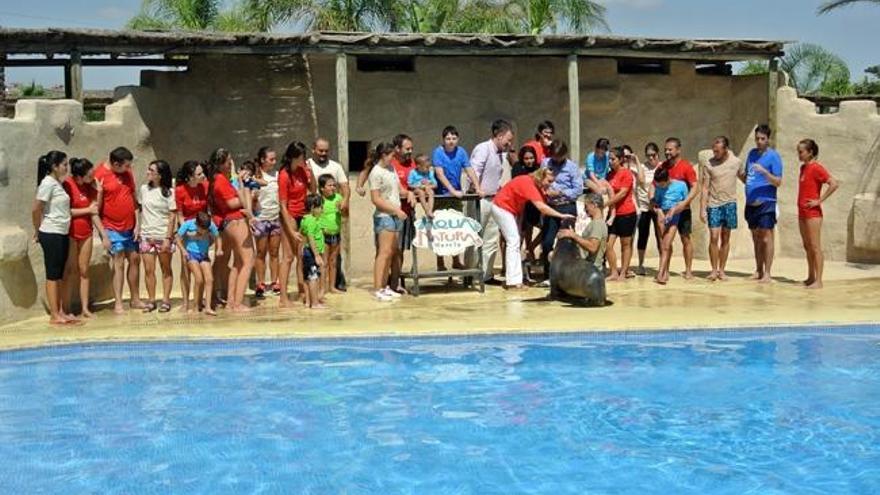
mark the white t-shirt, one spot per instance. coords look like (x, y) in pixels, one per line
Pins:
(386, 182)
(332, 168)
(56, 208)
(155, 209)
(270, 209)
(642, 189)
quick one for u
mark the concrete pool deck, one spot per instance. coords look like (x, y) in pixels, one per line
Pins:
(851, 295)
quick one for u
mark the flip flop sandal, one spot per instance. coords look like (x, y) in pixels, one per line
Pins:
(164, 307)
(149, 308)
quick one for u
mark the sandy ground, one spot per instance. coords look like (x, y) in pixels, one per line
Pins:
(851, 295)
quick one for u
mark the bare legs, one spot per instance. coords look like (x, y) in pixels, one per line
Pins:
(387, 250)
(719, 249)
(811, 234)
(203, 278)
(687, 247)
(237, 238)
(119, 276)
(267, 245)
(665, 254)
(331, 252)
(78, 262)
(287, 248)
(625, 257)
(763, 241)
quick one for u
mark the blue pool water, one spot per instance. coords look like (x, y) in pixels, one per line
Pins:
(796, 411)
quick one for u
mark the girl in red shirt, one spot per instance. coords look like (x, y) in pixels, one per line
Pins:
(191, 196)
(295, 182)
(85, 196)
(228, 208)
(810, 198)
(509, 207)
(625, 216)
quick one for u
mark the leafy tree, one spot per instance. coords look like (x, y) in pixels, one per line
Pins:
(811, 70)
(33, 90)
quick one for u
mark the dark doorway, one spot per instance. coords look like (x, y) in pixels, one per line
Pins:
(358, 151)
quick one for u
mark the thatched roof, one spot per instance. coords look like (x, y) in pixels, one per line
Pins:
(97, 42)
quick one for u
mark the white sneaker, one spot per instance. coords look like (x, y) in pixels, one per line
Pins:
(381, 296)
(390, 293)
(545, 283)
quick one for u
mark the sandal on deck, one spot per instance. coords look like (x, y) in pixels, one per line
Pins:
(164, 307)
(149, 307)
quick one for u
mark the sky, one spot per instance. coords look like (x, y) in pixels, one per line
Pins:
(850, 32)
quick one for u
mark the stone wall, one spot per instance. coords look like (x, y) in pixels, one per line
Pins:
(40, 126)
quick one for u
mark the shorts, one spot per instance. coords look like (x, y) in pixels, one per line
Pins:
(121, 241)
(448, 204)
(198, 257)
(332, 239)
(55, 248)
(310, 269)
(624, 226)
(762, 216)
(266, 228)
(805, 213)
(722, 217)
(383, 223)
(407, 234)
(153, 246)
(685, 222)
(673, 220)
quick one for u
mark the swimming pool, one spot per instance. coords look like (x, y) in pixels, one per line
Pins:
(793, 411)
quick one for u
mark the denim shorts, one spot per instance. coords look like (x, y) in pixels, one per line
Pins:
(121, 241)
(332, 239)
(722, 217)
(386, 223)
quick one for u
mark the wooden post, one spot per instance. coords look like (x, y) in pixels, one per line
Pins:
(342, 146)
(574, 109)
(73, 77)
(772, 87)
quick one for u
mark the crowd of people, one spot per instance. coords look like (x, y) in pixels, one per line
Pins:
(231, 223)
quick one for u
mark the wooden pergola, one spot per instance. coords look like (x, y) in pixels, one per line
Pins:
(73, 49)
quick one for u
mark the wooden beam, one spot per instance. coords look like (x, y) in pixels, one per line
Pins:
(772, 87)
(73, 78)
(95, 62)
(342, 143)
(574, 108)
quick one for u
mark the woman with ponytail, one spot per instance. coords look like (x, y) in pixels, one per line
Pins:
(85, 194)
(228, 209)
(267, 228)
(191, 198)
(158, 222)
(295, 182)
(51, 219)
(388, 218)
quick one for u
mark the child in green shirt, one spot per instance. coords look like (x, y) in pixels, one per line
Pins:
(313, 252)
(331, 222)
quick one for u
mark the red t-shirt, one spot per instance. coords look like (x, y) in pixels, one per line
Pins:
(402, 169)
(620, 180)
(191, 200)
(540, 152)
(514, 196)
(812, 176)
(81, 196)
(119, 205)
(682, 170)
(292, 190)
(223, 192)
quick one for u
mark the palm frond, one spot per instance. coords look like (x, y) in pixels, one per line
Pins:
(837, 4)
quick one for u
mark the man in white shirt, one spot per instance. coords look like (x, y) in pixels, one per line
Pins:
(321, 164)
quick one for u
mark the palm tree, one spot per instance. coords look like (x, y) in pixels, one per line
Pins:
(811, 69)
(176, 14)
(542, 16)
(836, 4)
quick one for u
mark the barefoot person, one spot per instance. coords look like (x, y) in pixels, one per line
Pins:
(194, 239)
(191, 197)
(718, 203)
(85, 195)
(810, 198)
(647, 216)
(267, 228)
(450, 161)
(387, 219)
(331, 224)
(51, 219)
(597, 167)
(762, 176)
(668, 195)
(422, 182)
(624, 216)
(228, 207)
(509, 206)
(295, 181)
(119, 222)
(313, 251)
(158, 225)
(680, 169)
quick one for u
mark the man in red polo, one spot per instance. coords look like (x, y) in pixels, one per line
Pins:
(403, 163)
(681, 169)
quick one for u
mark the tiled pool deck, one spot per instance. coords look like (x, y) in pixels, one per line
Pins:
(851, 295)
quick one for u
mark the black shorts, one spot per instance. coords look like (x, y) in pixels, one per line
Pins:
(332, 239)
(685, 222)
(55, 248)
(310, 269)
(624, 226)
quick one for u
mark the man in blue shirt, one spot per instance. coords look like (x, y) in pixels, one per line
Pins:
(762, 176)
(567, 186)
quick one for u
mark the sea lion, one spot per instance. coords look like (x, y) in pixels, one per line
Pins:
(572, 275)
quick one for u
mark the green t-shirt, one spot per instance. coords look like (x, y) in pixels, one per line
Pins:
(331, 219)
(311, 228)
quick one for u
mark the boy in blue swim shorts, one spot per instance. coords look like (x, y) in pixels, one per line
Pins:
(194, 239)
(667, 195)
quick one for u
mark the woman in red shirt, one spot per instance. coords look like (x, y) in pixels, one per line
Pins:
(810, 198)
(295, 182)
(623, 222)
(509, 207)
(228, 209)
(85, 196)
(191, 196)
